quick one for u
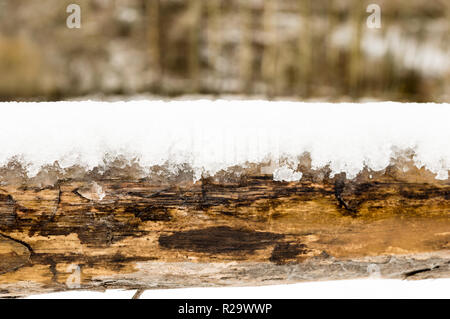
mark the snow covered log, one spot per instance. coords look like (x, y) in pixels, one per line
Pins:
(161, 195)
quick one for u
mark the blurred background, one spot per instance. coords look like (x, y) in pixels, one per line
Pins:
(273, 49)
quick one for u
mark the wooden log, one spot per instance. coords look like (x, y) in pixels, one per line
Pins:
(113, 231)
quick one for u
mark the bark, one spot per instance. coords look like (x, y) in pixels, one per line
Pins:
(129, 233)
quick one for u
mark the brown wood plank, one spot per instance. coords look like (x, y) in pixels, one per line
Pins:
(138, 233)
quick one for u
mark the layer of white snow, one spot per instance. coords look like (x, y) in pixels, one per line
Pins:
(286, 174)
(215, 135)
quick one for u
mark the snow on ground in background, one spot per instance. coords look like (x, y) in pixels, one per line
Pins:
(342, 289)
(215, 135)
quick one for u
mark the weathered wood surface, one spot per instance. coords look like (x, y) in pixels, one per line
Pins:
(126, 233)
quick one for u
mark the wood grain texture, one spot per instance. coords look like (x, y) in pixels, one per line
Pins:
(138, 233)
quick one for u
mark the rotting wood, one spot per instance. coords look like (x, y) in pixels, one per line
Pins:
(139, 234)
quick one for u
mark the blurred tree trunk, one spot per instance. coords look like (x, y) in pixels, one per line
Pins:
(153, 14)
(305, 47)
(214, 40)
(195, 11)
(447, 41)
(245, 48)
(355, 63)
(269, 63)
(332, 54)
